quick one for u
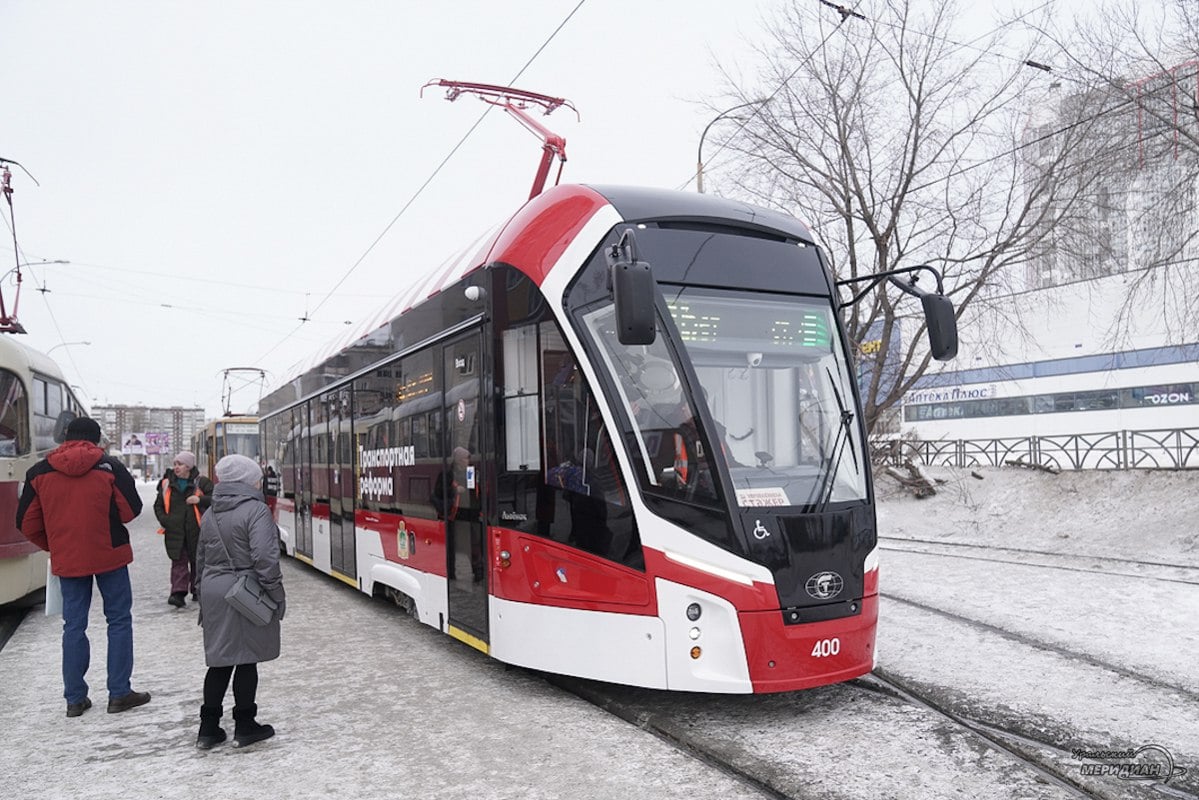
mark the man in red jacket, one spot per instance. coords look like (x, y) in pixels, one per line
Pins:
(75, 503)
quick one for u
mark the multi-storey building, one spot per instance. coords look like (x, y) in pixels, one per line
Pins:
(161, 433)
(1103, 339)
(1125, 162)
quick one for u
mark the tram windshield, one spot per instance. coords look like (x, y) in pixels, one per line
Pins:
(237, 437)
(777, 385)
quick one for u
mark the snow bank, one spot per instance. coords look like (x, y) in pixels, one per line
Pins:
(1147, 515)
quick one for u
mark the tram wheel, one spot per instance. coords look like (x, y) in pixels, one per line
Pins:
(403, 601)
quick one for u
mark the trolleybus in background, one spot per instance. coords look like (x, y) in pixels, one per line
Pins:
(618, 438)
(33, 397)
(221, 437)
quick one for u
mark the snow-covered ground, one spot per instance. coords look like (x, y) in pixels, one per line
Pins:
(1049, 653)
(1085, 650)
(1146, 515)
(1052, 645)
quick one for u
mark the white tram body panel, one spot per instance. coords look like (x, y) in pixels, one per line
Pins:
(602, 645)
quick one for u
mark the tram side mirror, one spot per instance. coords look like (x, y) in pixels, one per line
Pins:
(633, 290)
(942, 326)
(60, 426)
(939, 318)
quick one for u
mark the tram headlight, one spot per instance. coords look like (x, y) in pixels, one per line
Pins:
(693, 633)
(694, 612)
(696, 652)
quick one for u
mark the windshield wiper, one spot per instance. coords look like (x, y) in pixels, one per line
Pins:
(837, 451)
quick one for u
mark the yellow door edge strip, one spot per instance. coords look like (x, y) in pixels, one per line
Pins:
(344, 578)
(306, 559)
(473, 641)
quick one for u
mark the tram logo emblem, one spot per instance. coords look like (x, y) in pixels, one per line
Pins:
(825, 585)
(760, 531)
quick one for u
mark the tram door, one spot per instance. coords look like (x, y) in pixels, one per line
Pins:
(463, 476)
(303, 476)
(341, 487)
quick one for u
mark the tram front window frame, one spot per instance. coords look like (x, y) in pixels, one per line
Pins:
(770, 367)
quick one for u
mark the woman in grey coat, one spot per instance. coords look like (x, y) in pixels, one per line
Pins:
(237, 535)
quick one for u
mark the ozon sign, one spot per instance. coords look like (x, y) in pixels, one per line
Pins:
(1169, 398)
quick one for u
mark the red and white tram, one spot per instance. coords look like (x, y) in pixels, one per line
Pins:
(690, 513)
(619, 438)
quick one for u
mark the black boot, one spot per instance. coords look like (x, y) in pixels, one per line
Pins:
(177, 599)
(211, 732)
(245, 730)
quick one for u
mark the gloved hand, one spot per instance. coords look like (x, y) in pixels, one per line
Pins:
(282, 609)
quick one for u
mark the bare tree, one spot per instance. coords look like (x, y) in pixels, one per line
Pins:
(1145, 59)
(901, 143)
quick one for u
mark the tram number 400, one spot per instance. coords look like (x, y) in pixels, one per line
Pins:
(826, 647)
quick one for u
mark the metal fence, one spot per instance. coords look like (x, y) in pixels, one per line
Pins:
(1176, 448)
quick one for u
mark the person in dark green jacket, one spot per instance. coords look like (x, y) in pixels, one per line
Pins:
(183, 497)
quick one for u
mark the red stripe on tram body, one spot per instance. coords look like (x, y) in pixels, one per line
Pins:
(537, 235)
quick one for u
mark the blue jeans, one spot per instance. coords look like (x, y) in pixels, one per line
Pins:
(117, 593)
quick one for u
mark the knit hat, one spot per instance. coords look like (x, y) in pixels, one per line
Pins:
(82, 429)
(239, 469)
(187, 458)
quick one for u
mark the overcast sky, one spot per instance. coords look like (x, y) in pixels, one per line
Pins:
(235, 160)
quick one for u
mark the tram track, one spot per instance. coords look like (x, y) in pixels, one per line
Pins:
(898, 688)
(667, 729)
(1019, 748)
(1014, 744)
(1142, 570)
(1048, 647)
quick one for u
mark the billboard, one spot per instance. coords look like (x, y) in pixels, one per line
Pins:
(133, 444)
(145, 443)
(158, 443)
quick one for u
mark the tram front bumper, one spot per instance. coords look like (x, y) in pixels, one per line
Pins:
(785, 657)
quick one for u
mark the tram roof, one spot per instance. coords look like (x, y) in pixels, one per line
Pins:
(632, 203)
(17, 354)
(637, 203)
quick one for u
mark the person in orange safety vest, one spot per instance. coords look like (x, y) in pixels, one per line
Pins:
(183, 496)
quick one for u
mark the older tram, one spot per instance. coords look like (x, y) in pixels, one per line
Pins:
(33, 398)
(231, 434)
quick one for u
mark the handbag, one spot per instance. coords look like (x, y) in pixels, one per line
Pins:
(247, 596)
(250, 600)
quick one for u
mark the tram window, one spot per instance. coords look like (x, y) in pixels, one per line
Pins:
(665, 433)
(53, 399)
(39, 396)
(14, 416)
(318, 442)
(373, 457)
(274, 450)
(520, 399)
(415, 433)
(293, 453)
(582, 499)
(46, 406)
